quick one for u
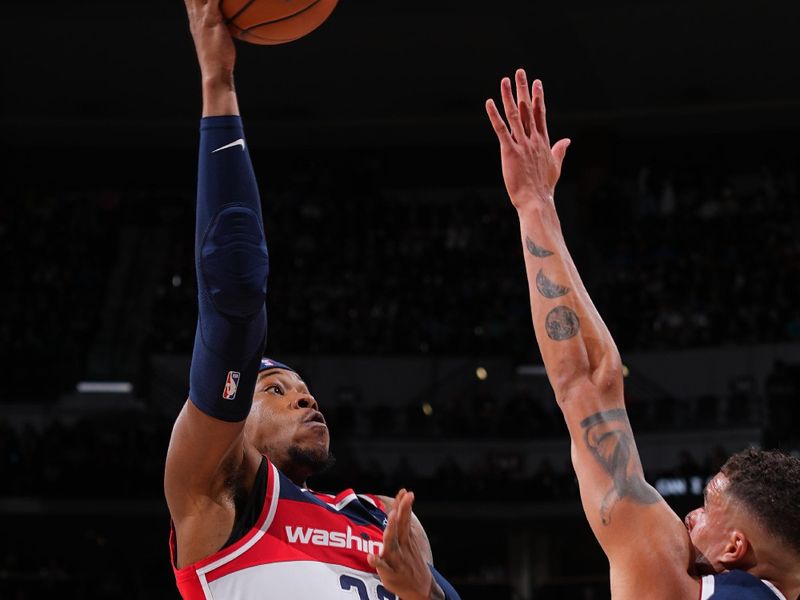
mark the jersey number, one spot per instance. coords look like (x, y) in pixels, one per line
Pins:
(348, 582)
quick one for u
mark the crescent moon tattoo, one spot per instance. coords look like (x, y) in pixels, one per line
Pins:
(537, 251)
(549, 288)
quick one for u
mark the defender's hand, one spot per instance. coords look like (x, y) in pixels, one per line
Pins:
(401, 565)
(215, 50)
(531, 167)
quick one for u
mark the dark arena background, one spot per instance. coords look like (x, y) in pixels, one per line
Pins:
(397, 284)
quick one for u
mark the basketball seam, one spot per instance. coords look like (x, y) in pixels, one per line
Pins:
(279, 19)
(240, 31)
(238, 13)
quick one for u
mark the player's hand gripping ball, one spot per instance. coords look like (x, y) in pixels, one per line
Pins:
(274, 21)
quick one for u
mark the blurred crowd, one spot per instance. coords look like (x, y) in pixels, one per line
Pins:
(99, 456)
(114, 455)
(678, 262)
(58, 250)
(358, 266)
(699, 259)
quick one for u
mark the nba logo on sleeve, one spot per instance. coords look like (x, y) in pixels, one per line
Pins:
(231, 385)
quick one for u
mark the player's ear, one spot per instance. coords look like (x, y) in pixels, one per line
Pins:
(736, 548)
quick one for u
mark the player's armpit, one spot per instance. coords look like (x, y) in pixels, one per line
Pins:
(203, 454)
(206, 461)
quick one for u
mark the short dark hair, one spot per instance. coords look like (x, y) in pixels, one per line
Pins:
(767, 482)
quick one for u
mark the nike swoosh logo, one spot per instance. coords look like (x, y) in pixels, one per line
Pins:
(239, 142)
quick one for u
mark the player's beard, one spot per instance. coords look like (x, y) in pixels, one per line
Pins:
(316, 460)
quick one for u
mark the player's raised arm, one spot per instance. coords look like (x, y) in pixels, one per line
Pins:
(583, 363)
(232, 266)
(216, 55)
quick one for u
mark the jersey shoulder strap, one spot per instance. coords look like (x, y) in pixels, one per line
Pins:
(737, 585)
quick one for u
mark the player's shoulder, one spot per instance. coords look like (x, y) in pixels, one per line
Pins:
(737, 585)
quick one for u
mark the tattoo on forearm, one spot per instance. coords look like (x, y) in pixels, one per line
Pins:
(549, 288)
(537, 251)
(562, 323)
(609, 437)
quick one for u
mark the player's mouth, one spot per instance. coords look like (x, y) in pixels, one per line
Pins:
(315, 419)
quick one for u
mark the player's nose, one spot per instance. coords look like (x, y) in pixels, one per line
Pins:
(306, 401)
(691, 519)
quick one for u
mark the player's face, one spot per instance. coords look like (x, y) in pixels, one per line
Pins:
(286, 424)
(711, 527)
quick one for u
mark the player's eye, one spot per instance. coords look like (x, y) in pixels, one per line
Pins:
(274, 389)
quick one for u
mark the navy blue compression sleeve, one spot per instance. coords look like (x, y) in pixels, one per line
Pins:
(449, 591)
(232, 266)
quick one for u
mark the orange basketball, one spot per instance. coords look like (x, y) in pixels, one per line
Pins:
(274, 21)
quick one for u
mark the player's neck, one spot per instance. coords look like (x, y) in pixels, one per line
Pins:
(782, 573)
(297, 475)
(788, 583)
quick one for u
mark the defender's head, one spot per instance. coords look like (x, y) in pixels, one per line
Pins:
(751, 514)
(285, 423)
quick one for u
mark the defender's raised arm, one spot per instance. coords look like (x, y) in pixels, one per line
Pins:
(583, 363)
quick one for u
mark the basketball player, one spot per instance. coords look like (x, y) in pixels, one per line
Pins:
(744, 543)
(244, 524)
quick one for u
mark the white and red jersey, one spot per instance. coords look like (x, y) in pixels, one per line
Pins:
(303, 546)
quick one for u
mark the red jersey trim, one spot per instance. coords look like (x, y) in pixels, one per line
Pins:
(344, 497)
(372, 498)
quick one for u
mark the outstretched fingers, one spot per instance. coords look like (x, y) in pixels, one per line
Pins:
(404, 519)
(391, 535)
(397, 533)
(524, 102)
(526, 115)
(498, 124)
(540, 111)
(511, 109)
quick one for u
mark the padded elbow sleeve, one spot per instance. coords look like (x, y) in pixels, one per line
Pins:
(232, 266)
(234, 263)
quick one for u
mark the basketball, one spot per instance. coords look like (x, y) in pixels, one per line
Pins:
(274, 21)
